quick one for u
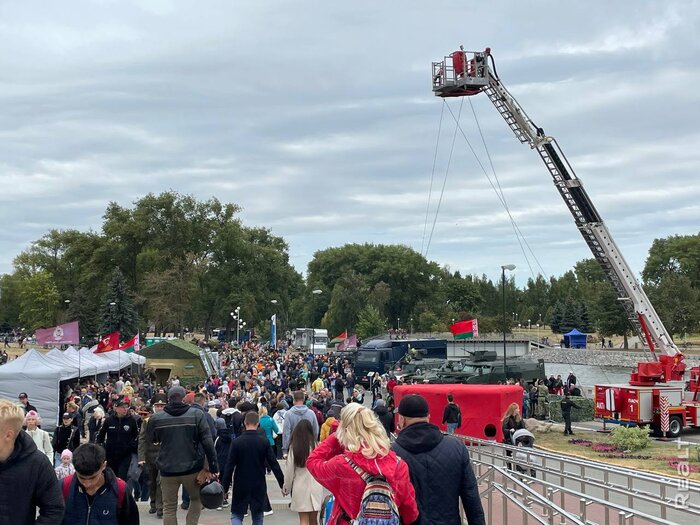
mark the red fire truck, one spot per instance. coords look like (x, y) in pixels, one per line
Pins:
(657, 394)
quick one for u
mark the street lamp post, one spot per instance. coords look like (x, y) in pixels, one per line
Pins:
(237, 317)
(411, 326)
(398, 324)
(509, 267)
(315, 292)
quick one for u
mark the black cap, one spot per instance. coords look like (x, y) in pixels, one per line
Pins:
(413, 406)
(176, 393)
(67, 415)
(122, 403)
(23, 395)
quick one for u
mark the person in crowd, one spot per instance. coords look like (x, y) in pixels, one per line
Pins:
(95, 424)
(269, 426)
(185, 439)
(95, 491)
(307, 493)
(571, 381)
(65, 469)
(247, 461)
(26, 405)
(566, 405)
(452, 415)
(376, 388)
(298, 412)
(439, 465)
(41, 438)
(386, 418)
(542, 407)
(27, 481)
(360, 440)
(511, 421)
(66, 436)
(148, 458)
(119, 435)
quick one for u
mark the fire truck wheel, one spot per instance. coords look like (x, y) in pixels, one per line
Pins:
(675, 425)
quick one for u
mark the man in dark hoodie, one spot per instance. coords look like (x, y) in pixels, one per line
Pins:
(439, 466)
(185, 440)
(385, 417)
(27, 478)
(120, 436)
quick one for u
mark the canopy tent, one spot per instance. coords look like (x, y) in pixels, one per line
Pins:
(575, 339)
(40, 377)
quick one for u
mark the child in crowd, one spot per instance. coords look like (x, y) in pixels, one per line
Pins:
(65, 469)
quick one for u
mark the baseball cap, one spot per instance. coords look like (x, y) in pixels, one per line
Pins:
(413, 405)
(122, 402)
(66, 415)
(159, 402)
(23, 395)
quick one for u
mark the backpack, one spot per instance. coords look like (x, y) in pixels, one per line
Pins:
(278, 418)
(121, 490)
(377, 506)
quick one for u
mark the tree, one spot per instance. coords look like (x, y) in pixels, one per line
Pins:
(677, 303)
(39, 301)
(118, 312)
(348, 298)
(370, 322)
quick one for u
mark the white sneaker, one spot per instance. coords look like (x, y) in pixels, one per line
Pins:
(268, 513)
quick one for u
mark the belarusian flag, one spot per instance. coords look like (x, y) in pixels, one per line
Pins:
(339, 339)
(465, 329)
(132, 345)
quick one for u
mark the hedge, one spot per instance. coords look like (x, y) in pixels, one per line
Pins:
(585, 413)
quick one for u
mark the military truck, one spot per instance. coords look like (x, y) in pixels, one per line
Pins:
(484, 367)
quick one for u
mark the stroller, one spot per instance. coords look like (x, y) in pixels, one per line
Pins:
(525, 439)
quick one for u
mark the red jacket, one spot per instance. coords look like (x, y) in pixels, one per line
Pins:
(327, 465)
(390, 385)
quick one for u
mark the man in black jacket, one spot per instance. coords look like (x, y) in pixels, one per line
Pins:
(24, 399)
(566, 406)
(27, 479)
(185, 440)
(248, 457)
(452, 415)
(65, 436)
(120, 435)
(439, 466)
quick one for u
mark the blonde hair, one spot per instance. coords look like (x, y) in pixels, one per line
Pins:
(361, 431)
(262, 411)
(11, 416)
(98, 410)
(510, 411)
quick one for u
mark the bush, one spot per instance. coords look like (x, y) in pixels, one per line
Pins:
(630, 438)
(585, 413)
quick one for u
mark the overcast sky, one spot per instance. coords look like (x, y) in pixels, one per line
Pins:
(318, 119)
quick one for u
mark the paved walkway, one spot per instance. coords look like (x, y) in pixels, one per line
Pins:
(280, 505)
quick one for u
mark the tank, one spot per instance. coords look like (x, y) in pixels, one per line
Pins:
(484, 369)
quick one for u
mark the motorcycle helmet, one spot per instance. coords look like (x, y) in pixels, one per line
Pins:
(211, 494)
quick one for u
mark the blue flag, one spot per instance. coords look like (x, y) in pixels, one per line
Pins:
(273, 331)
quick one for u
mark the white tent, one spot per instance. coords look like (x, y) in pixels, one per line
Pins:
(40, 378)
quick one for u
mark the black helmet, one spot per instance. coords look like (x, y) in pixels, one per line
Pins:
(212, 495)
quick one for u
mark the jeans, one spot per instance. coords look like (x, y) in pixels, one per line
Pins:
(451, 427)
(237, 519)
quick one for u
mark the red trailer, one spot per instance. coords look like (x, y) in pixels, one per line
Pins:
(482, 406)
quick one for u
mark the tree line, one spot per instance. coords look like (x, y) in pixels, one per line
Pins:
(171, 263)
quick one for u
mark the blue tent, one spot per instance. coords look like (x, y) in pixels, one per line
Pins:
(575, 339)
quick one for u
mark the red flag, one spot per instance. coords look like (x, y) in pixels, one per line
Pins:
(342, 337)
(108, 342)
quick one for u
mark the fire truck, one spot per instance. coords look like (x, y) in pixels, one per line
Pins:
(657, 394)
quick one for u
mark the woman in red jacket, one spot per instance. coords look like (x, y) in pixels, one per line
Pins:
(360, 437)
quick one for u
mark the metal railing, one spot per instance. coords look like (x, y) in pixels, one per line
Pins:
(583, 488)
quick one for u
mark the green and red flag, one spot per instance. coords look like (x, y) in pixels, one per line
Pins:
(340, 338)
(465, 329)
(132, 345)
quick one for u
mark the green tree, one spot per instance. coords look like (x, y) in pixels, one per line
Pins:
(10, 307)
(677, 302)
(118, 311)
(370, 322)
(348, 298)
(39, 301)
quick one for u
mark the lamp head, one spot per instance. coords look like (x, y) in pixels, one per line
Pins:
(509, 267)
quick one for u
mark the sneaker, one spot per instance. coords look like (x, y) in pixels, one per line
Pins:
(152, 510)
(268, 513)
(185, 506)
(159, 513)
(224, 503)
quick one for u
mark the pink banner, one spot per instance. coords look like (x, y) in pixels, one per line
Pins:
(348, 344)
(63, 334)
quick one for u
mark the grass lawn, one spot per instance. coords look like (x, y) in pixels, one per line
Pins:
(556, 441)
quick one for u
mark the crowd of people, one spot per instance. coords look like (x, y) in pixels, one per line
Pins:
(131, 439)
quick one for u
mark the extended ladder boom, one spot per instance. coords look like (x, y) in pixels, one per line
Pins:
(465, 73)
